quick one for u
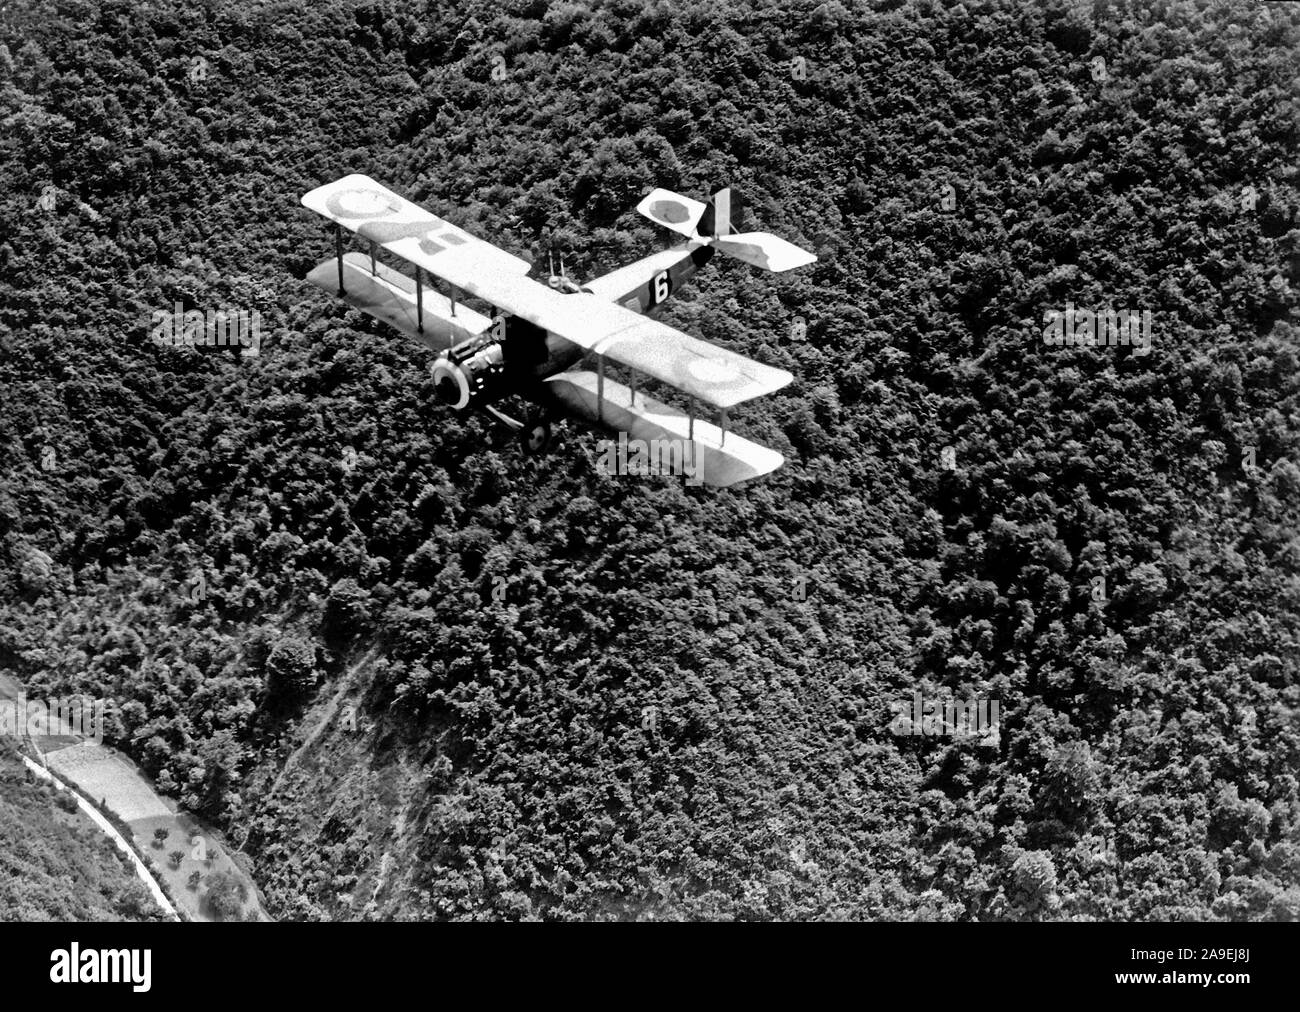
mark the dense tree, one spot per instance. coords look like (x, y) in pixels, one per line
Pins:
(434, 679)
(225, 895)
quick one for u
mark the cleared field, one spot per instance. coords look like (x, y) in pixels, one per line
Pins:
(105, 777)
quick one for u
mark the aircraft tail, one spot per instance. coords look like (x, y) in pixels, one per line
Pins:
(721, 223)
(724, 214)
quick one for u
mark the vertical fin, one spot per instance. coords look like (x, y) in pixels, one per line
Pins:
(722, 212)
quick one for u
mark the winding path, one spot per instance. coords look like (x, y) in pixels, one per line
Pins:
(97, 817)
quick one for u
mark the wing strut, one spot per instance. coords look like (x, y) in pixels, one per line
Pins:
(600, 387)
(372, 259)
(723, 426)
(338, 252)
(419, 300)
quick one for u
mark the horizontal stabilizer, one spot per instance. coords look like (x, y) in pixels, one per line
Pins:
(672, 210)
(720, 223)
(763, 249)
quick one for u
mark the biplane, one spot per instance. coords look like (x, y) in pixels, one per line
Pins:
(539, 336)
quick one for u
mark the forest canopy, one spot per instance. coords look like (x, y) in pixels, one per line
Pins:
(284, 568)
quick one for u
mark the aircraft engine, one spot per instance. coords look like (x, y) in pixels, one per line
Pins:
(470, 373)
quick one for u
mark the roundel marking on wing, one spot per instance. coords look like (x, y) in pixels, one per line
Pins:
(360, 202)
(715, 371)
(670, 211)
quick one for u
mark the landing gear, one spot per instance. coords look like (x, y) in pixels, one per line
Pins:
(535, 437)
(533, 434)
(501, 427)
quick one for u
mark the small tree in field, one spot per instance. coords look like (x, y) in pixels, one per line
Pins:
(160, 837)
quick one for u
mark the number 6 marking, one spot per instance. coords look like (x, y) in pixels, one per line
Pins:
(661, 287)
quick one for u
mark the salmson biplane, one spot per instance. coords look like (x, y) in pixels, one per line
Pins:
(542, 331)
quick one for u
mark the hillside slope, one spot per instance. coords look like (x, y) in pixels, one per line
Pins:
(55, 865)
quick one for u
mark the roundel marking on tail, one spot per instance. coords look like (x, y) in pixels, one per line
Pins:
(670, 211)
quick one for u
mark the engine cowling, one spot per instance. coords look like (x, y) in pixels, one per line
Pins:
(472, 373)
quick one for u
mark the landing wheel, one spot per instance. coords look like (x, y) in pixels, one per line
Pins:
(535, 437)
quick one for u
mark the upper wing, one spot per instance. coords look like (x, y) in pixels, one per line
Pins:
(714, 375)
(377, 213)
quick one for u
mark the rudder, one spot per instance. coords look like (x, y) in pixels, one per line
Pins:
(723, 214)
